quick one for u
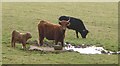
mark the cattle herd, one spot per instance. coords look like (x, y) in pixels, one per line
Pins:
(52, 31)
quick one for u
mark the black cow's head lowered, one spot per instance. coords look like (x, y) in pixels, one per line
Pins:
(84, 33)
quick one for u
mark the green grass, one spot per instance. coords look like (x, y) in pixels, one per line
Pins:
(100, 18)
(18, 56)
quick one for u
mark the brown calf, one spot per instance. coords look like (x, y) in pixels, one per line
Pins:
(52, 31)
(20, 37)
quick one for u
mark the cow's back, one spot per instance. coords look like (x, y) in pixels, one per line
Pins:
(17, 36)
(48, 30)
(76, 23)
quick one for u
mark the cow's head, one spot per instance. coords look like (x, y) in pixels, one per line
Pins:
(64, 24)
(84, 33)
(28, 35)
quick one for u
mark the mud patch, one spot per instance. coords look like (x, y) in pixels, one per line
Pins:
(46, 50)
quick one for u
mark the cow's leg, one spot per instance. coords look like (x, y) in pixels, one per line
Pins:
(41, 41)
(14, 43)
(24, 44)
(62, 43)
(56, 42)
(41, 36)
(77, 34)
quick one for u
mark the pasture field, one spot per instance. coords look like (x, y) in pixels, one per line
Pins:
(101, 19)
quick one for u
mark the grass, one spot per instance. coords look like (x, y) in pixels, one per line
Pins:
(25, 57)
(100, 18)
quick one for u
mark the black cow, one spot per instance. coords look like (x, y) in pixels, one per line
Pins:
(75, 24)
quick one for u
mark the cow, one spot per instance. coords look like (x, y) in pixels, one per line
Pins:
(75, 24)
(20, 37)
(52, 31)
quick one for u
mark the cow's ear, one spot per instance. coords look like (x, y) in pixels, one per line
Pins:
(87, 31)
(68, 24)
(60, 23)
(28, 35)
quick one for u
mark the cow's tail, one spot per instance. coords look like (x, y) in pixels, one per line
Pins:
(12, 39)
(14, 31)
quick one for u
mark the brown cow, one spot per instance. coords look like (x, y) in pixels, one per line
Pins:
(52, 31)
(20, 37)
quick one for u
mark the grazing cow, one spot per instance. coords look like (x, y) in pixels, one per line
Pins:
(75, 24)
(52, 31)
(20, 37)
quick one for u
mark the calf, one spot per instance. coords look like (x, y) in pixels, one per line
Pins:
(52, 31)
(75, 24)
(20, 37)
